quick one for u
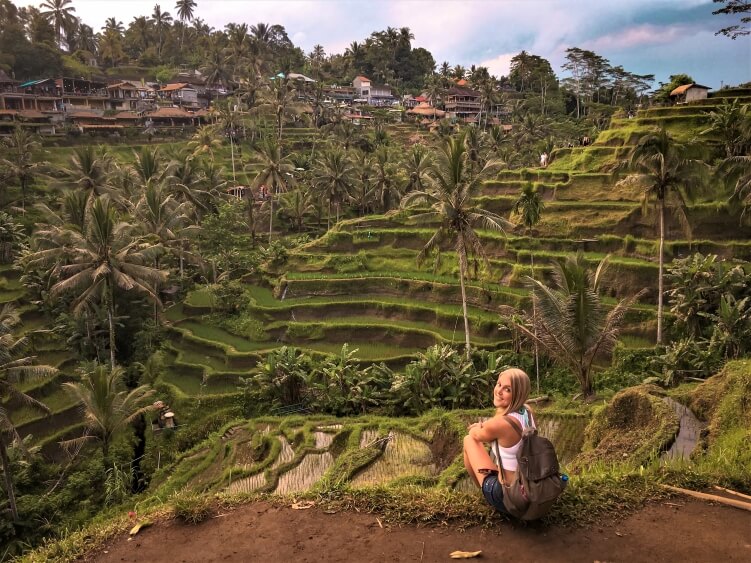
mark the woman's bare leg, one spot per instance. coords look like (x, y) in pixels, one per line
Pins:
(476, 458)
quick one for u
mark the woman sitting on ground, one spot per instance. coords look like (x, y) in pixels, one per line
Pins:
(509, 396)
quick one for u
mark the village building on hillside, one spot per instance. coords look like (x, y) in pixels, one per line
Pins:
(462, 103)
(80, 93)
(181, 94)
(339, 94)
(372, 94)
(689, 93)
(129, 96)
(38, 95)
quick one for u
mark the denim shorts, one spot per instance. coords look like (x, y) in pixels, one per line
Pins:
(492, 490)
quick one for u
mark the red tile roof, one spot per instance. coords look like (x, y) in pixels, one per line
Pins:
(170, 112)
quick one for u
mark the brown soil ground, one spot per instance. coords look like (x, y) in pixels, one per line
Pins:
(679, 530)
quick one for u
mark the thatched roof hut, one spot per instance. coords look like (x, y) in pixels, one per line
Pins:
(426, 110)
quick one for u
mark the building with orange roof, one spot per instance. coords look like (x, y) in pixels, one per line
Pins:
(180, 94)
(689, 93)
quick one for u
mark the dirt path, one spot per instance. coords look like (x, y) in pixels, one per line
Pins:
(680, 531)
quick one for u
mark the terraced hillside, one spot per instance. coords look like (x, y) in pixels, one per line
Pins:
(295, 454)
(360, 283)
(64, 418)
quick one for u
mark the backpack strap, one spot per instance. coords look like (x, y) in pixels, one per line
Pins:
(515, 424)
(518, 428)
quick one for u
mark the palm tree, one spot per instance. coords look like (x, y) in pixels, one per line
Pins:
(149, 166)
(162, 217)
(15, 368)
(529, 206)
(279, 100)
(111, 24)
(60, 14)
(19, 160)
(452, 187)
(108, 408)
(738, 170)
(731, 124)
(434, 91)
(333, 177)
(185, 14)
(384, 178)
(204, 141)
(89, 171)
(84, 39)
(101, 258)
(216, 68)
(317, 56)
(362, 191)
(160, 20)
(296, 205)
(417, 166)
(111, 47)
(572, 323)
(667, 174)
(275, 173)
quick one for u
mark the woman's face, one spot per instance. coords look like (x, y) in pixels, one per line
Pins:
(502, 392)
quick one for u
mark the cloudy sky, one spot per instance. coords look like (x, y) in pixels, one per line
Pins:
(660, 37)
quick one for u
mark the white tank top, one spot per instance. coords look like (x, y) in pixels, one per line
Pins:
(508, 455)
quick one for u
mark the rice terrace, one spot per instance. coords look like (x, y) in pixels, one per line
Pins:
(268, 291)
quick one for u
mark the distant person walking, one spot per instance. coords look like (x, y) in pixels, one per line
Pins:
(544, 160)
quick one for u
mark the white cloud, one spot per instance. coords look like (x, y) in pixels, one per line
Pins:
(499, 66)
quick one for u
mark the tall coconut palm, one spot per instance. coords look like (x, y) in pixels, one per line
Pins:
(161, 21)
(89, 171)
(334, 177)
(103, 258)
(279, 100)
(667, 174)
(149, 166)
(168, 221)
(18, 160)
(275, 175)
(449, 195)
(15, 368)
(185, 10)
(204, 141)
(60, 14)
(417, 166)
(572, 323)
(216, 68)
(108, 408)
(385, 178)
(295, 206)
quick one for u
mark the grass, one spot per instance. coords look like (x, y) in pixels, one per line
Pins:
(57, 401)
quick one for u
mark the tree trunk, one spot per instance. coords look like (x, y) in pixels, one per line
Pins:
(586, 382)
(8, 481)
(462, 273)
(661, 211)
(111, 319)
(271, 214)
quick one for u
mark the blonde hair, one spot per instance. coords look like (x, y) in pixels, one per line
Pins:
(520, 388)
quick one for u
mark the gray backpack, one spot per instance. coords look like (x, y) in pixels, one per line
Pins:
(538, 480)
